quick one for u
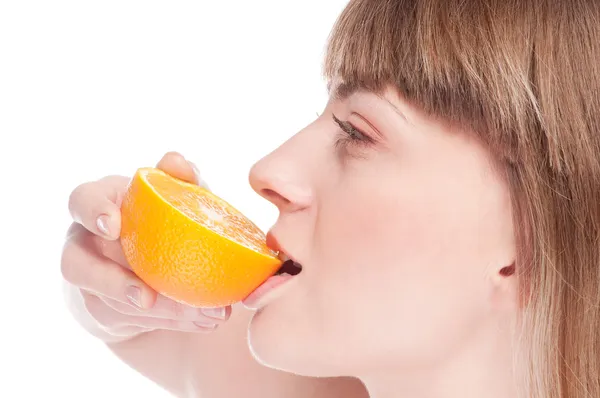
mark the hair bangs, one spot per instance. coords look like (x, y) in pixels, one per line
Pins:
(446, 58)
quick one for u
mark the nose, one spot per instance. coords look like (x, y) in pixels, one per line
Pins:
(282, 178)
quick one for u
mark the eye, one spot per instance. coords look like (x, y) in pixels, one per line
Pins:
(352, 133)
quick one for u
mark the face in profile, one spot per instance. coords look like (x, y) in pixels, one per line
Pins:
(400, 223)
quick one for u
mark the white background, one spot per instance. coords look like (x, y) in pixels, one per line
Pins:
(91, 88)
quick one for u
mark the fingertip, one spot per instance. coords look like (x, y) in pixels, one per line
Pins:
(173, 163)
(173, 155)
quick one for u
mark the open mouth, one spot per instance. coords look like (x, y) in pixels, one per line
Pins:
(290, 267)
(288, 271)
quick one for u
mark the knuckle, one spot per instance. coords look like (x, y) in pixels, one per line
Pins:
(78, 193)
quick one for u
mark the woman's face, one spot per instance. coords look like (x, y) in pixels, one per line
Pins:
(401, 225)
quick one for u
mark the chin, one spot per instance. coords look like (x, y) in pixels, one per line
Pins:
(280, 339)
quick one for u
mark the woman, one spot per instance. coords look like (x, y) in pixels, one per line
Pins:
(445, 209)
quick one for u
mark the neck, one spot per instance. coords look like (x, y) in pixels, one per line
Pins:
(483, 369)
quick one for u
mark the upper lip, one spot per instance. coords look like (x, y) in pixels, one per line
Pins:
(273, 244)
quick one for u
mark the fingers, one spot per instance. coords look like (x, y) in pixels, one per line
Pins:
(165, 308)
(96, 205)
(83, 266)
(114, 322)
(93, 261)
(117, 300)
(175, 164)
(110, 249)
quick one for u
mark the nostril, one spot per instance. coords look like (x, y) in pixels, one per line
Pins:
(275, 197)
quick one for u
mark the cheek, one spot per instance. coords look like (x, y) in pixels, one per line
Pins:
(405, 265)
(397, 234)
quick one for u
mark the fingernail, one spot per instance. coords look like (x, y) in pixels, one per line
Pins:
(217, 313)
(102, 224)
(133, 294)
(205, 325)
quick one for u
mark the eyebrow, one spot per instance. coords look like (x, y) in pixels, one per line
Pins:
(344, 90)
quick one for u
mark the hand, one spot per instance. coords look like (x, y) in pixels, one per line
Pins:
(120, 304)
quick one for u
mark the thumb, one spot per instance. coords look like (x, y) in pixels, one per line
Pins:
(174, 164)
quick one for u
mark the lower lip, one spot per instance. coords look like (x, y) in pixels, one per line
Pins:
(265, 290)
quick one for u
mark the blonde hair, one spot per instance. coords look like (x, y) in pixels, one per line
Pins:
(524, 75)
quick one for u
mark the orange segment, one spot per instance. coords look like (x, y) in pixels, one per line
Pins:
(190, 245)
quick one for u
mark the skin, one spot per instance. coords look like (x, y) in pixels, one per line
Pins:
(193, 354)
(422, 201)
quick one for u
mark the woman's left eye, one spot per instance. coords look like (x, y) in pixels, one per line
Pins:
(352, 133)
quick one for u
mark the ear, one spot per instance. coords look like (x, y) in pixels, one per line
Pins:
(504, 286)
(507, 271)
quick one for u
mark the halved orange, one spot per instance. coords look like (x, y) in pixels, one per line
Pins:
(190, 245)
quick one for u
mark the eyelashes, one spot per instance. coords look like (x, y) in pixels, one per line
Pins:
(350, 136)
(350, 130)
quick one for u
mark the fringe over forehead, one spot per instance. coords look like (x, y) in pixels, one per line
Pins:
(488, 65)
